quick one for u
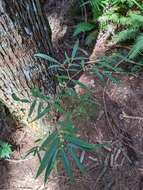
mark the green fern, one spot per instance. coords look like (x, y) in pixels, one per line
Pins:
(137, 47)
(83, 27)
(127, 34)
(130, 26)
(97, 7)
(126, 14)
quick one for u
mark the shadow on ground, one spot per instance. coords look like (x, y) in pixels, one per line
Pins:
(17, 173)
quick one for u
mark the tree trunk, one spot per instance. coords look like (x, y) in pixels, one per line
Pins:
(24, 31)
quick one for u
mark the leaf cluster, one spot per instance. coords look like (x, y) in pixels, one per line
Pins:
(63, 143)
(5, 150)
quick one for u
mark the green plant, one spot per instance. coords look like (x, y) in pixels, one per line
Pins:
(5, 150)
(126, 15)
(63, 143)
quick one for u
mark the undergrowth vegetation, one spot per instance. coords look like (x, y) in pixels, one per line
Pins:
(126, 16)
(64, 142)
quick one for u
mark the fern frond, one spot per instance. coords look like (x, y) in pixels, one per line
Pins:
(125, 21)
(137, 48)
(97, 6)
(136, 19)
(125, 35)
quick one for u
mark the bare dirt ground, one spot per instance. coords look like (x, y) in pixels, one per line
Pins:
(118, 122)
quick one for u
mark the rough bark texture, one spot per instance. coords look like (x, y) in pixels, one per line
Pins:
(24, 30)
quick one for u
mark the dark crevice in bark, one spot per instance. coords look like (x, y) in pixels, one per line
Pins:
(30, 20)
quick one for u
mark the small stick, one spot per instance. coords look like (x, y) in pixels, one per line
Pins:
(17, 161)
(124, 115)
(103, 171)
(82, 156)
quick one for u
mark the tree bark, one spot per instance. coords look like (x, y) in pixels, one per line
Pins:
(24, 30)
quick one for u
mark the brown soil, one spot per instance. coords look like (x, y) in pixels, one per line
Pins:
(119, 167)
(118, 122)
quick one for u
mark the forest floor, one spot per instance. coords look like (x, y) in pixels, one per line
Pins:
(118, 121)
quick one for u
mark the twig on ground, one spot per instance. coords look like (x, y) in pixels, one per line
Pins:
(124, 115)
(19, 160)
(103, 170)
(105, 107)
(82, 156)
(93, 159)
(101, 113)
(109, 185)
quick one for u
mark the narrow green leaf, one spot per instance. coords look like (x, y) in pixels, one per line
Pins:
(53, 66)
(99, 75)
(42, 113)
(46, 57)
(66, 164)
(47, 157)
(32, 150)
(37, 94)
(67, 127)
(14, 96)
(75, 48)
(96, 5)
(82, 63)
(49, 139)
(76, 159)
(75, 66)
(80, 58)
(59, 108)
(50, 165)
(67, 59)
(63, 77)
(32, 107)
(81, 143)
